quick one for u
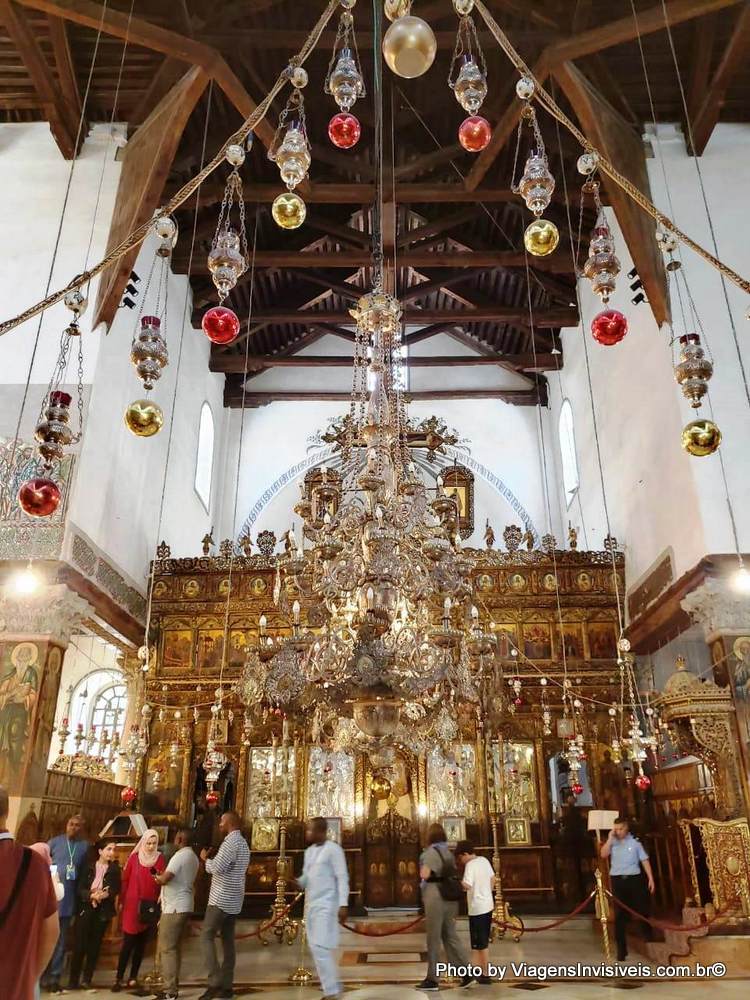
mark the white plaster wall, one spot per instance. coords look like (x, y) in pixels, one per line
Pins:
(722, 166)
(117, 497)
(33, 180)
(634, 406)
(504, 439)
(657, 495)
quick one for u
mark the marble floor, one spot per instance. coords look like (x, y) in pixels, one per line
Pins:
(387, 968)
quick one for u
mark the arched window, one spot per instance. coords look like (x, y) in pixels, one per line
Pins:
(571, 478)
(108, 711)
(99, 701)
(204, 463)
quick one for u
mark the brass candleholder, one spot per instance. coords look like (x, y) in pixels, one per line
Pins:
(501, 914)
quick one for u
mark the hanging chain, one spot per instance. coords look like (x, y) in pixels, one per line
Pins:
(295, 107)
(467, 44)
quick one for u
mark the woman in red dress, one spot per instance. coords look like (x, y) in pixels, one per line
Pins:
(139, 888)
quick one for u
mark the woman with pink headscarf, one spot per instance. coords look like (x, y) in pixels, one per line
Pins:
(139, 904)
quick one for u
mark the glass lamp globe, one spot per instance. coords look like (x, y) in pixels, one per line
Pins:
(288, 210)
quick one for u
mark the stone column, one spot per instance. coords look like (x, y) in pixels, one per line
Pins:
(724, 615)
(34, 632)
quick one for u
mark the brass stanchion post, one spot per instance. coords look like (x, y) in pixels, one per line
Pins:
(602, 912)
(301, 976)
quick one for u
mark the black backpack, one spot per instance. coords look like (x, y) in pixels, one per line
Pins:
(449, 884)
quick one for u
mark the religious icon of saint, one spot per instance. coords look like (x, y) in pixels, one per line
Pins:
(18, 692)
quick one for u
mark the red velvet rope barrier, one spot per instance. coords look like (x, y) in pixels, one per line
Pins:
(661, 924)
(547, 927)
(398, 930)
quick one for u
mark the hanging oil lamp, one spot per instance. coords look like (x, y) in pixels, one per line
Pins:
(345, 84)
(536, 184)
(693, 370)
(149, 352)
(467, 78)
(602, 266)
(40, 496)
(290, 151)
(227, 259)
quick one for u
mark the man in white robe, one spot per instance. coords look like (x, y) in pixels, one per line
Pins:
(325, 880)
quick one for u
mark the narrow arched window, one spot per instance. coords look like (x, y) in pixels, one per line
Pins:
(108, 713)
(204, 463)
(571, 478)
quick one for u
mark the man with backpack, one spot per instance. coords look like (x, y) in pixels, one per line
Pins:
(441, 892)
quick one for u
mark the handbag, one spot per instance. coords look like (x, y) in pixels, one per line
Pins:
(449, 884)
(149, 911)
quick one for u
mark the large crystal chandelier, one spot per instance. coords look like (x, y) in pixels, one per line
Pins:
(393, 642)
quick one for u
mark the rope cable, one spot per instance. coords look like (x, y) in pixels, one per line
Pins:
(137, 235)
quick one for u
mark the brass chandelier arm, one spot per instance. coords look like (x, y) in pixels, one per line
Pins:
(138, 235)
(550, 105)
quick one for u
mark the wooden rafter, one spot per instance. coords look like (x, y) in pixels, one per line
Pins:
(152, 36)
(66, 73)
(625, 29)
(587, 43)
(362, 194)
(609, 133)
(557, 263)
(734, 56)
(61, 115)
(233, 396)
(543, 318)
(255, 363)
(146, 161)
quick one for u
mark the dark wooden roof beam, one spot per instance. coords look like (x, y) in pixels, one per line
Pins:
(61, 115)
(233, 396)
(733, 58)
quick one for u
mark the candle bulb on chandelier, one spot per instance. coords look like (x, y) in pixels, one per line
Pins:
(262, 622)
(370, 598)
(474, 612)
(295, 612)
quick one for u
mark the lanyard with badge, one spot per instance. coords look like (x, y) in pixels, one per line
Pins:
(70, 869)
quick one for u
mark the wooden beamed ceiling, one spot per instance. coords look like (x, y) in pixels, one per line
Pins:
(452, 225)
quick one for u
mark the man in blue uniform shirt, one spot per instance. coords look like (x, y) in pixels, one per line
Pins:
(68, 852)
(627, 863)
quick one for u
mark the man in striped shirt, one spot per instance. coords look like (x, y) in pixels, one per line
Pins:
(227, 871)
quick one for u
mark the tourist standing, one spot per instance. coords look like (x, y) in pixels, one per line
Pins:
(98, 888)
(227, 870)
(478, 879)
(176, 881)
(325, 879)
(68, 851)
(627, 855)
(437, 869)
(29, 921)
(139, 905)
